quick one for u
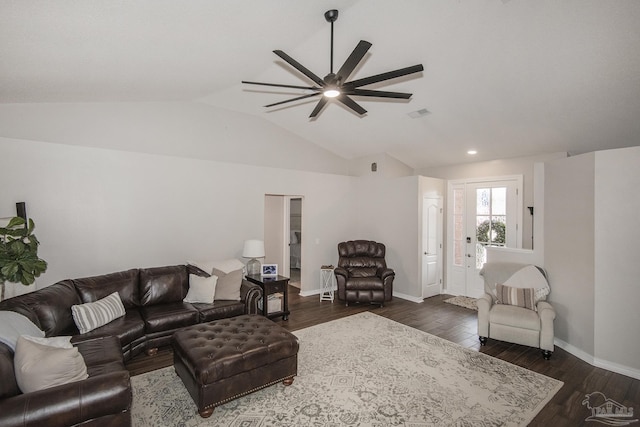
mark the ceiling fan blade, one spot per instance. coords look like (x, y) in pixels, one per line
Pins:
(319, 106)
(293, 99)
(280, 85)
(384, 76)
(351, 104)
(378, 93)
(295, 64)
(353, 60)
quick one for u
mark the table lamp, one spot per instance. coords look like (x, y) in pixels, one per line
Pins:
(253, 249)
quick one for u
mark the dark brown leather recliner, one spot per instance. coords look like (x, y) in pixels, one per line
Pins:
(362, 274)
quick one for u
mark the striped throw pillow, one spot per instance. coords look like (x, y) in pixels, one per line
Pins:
(521, 297)
(92, 315)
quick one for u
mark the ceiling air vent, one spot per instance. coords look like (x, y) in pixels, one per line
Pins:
(420, 113)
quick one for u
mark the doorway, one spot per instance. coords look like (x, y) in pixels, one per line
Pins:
(283, 235)
(481, 214)
(431, 246)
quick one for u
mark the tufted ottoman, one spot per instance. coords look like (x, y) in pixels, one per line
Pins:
(229, 358)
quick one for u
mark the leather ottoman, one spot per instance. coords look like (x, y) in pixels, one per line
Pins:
(226, 359)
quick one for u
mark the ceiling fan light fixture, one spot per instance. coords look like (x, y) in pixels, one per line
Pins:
(331, 92)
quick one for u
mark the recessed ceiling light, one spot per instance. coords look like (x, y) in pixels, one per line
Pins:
(472, 152)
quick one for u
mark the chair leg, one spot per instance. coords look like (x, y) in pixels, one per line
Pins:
(483, 340)
(547, 354)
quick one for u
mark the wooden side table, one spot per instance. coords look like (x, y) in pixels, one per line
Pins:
(270, 286)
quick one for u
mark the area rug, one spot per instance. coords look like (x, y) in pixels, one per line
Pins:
(466, 302)
(365, 370)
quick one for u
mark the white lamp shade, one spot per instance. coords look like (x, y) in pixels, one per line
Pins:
(253, 249)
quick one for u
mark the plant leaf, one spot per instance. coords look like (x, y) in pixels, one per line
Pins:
(15, 221)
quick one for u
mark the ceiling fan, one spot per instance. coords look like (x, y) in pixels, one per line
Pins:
(335, 85)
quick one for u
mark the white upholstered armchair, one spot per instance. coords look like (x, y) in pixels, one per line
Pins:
(513, 307)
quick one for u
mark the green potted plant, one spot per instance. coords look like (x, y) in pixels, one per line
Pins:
(19, 262)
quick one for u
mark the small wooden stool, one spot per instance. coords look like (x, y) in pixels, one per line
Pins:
(229, 358)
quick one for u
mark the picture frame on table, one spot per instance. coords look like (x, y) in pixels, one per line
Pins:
(269, 270)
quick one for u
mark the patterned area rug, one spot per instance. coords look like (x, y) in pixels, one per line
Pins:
(466, 302)
(365, 370)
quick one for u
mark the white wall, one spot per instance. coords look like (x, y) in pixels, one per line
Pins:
(569, 248)
(514, 166)
(386, 166)
(181, 129)
(617, 270)
(100, 211)
(389, 212)
(274, 231)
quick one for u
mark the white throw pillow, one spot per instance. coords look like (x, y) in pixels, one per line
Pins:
(92, 315)
(201, 289)
(38, 366)
(13, 324)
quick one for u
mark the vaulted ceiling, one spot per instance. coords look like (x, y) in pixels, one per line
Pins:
(505, 77)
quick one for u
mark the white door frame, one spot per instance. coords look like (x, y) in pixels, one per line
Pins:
(286, 265)
(457, 280)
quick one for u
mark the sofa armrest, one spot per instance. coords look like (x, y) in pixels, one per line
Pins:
(250, 294)
(339, 271)
(547, 314)
(387, 272)
(69, 404)
(341, 281)
(484, 306)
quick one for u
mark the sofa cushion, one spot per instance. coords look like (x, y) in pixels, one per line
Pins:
(364, 283)
(362, 272)
(125, 283)
(162, 285)
(219, 310)
(52, 305)
(127, 328)
(101, 355)
(39, 366)
(165, 317)
(516, 317)
(92, 315)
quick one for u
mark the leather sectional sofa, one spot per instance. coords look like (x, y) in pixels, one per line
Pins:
(153, 300)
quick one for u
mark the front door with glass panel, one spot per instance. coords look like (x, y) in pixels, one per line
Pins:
(483, 213)
(491, 221)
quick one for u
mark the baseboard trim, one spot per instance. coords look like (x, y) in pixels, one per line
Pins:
(597, 362)
(618, 368)
(408, 297)
(579, 353)
(411, 298)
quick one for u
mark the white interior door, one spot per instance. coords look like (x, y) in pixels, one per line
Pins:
(431, 247)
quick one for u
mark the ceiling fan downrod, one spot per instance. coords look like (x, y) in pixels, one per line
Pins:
(331, 16)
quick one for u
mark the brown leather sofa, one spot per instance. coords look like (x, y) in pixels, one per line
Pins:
(362, 274)
(152, 298)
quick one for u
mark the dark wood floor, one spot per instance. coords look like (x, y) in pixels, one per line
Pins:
(459, 325)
